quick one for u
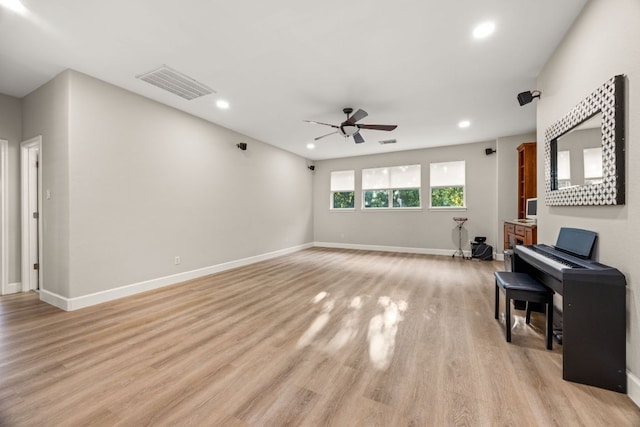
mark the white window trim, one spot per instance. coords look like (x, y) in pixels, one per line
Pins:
(464, 189)
(331, 208)
(390, 199)
(351, 190)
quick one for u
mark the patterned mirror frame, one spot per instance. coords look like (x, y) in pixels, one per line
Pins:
(608, 99)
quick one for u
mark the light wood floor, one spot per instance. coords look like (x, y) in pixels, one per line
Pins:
(320, 337)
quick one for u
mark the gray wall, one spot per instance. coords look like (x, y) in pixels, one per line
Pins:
(135, 183)
(603, 42)
(10, 129)
(45, 112)
(427, 229)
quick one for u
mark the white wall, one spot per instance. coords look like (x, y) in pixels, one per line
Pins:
(432, 231)
(603, 42)
(10, 130)
(147, 183)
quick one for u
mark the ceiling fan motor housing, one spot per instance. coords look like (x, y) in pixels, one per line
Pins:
(347, 130)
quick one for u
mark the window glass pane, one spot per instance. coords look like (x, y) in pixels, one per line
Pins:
(564, 167)
(376, 199)
(592, 163)
(447, 174)
(375, 179)
(405, 176)
(409, 198)
(447, 196)
(343, 200)
(343, 180)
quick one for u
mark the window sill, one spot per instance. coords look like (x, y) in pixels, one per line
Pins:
(342, 209)
(391, 209)
(461, 208)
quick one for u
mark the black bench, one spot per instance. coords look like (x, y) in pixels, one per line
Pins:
(522, 287)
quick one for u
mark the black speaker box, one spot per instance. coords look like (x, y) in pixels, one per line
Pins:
(481, 251)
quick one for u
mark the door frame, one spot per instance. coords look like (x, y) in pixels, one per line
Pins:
(25, 147)
(4, 220)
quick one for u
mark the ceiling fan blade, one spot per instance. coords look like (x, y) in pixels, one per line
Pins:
(358, 138)
(320, 137)
(377, 127)
(358, 115)
(320, 123)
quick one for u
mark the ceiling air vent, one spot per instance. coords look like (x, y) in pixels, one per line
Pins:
(388, 141)
(175, 82)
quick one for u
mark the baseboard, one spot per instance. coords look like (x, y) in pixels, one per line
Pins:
(55, 299)
(633, 388)
(381, 248)
(70, 304)
(13, 288)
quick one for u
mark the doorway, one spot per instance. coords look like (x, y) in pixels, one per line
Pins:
(4, 220)
(31, 176)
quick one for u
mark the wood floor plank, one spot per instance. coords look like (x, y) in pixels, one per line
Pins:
(319, 337)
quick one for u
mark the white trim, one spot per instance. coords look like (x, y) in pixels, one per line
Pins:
(498, 256)
(633, 388)
(13, 288)
(4, 222)
(35, 142)
(83, 301)
(55, 300)
(380, 248)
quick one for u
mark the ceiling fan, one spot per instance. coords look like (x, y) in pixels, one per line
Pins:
(350, 128)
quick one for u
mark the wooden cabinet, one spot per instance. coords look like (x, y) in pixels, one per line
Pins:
(527, 186)
(519, 233)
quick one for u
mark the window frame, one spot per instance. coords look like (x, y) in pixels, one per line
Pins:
(390, 190)
(332, 192)
(463, 186)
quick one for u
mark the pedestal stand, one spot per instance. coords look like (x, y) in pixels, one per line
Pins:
(460, 222)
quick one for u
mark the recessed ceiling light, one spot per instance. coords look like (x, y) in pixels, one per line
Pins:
(464, 124)
(311, 146)
(484, 30)
(14, 5)
(222, 104)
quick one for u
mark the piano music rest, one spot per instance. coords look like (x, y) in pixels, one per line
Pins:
(522, 287)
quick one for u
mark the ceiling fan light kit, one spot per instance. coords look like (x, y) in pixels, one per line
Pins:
(350, 128)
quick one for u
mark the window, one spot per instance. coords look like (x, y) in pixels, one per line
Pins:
(592, 165)
(447, 184)
(396, 187)
(342, 189)
(564, 169)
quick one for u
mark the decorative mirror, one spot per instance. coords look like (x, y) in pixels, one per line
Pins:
(584, 151)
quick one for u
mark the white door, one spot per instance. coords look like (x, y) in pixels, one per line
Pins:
(31, 238)
(34, 212)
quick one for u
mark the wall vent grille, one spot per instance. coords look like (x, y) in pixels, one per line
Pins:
(388, 141)
(175, 82)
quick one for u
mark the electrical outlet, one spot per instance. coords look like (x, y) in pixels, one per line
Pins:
(176, 260)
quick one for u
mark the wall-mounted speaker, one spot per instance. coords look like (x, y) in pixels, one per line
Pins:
(526, 97)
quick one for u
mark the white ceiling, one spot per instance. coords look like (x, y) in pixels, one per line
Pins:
(279, 62)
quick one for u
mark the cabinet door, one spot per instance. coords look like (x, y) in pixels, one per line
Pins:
(528, 237)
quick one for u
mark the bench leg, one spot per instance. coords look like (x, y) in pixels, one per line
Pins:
(497, 299)
(507, 303)
(527, 316)
(549, 325)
